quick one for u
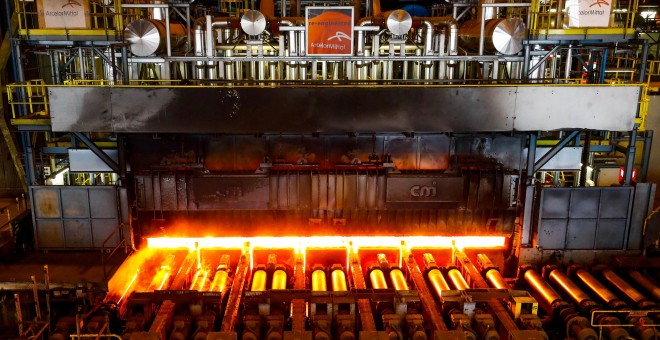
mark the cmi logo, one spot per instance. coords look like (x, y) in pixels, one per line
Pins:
(423, 191)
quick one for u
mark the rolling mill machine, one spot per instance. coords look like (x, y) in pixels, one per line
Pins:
(336, 170)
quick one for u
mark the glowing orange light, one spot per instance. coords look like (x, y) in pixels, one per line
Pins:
(162, 284)
(128, 287)
(479, 242)
(301, 243)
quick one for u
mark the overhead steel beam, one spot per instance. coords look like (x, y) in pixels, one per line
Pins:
(98, 152)
(555, 150)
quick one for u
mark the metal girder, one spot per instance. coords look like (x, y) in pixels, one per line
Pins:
(428, 304)
(545, 56)
(98, 152)
(555, 149)
(10, 141)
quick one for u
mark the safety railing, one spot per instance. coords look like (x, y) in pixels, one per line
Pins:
(13, 211)
(553, 15)
(107, 252)
(93, 17)
(29, 98)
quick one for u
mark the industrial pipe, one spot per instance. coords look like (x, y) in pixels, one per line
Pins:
(377, 279)
(339, 281)
(319, 281)
(645, 283)
(279, 279)
(398, 280)
(258, 281)
(457, 279)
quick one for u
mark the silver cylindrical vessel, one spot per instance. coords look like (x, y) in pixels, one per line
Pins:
(148, 37)
(503, 36)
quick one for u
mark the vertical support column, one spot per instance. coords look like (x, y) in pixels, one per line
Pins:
(526, 237)
(645, 56)
(630, 158)
(585, 158)
(646, 156)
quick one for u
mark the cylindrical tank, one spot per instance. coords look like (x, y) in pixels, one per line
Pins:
(503, 36)
(148, 37)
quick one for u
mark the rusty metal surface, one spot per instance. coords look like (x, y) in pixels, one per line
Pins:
(184, 273)
(360, 109)
(74, 217)
(430, 309)
(364, 305)
(479, 282)
(298, 305)
(233, 303)
(163, 318)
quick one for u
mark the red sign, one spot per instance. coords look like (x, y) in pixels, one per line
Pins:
(329, 30)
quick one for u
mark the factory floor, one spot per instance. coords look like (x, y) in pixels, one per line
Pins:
(64, 267)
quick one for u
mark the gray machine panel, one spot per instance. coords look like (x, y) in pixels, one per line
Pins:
(342, 109)
(74, 217)
(584, 218)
